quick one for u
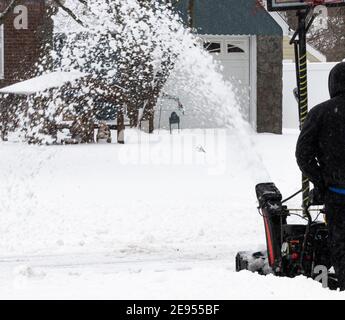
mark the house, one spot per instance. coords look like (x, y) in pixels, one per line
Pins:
(21, 44)
(248, 42)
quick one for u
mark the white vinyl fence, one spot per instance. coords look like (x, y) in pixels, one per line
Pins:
(317, 86)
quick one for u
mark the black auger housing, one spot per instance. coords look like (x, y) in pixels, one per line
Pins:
(274, 215)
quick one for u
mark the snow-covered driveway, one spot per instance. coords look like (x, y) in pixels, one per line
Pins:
(159, 219)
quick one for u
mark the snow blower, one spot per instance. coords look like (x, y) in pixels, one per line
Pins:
(292, 249)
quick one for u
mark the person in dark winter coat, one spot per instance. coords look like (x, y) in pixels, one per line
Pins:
(320, 154)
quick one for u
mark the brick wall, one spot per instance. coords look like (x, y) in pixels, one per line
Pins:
(23, 47)
(269, 84)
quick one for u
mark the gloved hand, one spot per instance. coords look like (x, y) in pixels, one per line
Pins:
(317, 196)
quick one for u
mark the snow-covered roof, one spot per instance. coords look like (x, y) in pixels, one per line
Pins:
(282, 23)
(47, 81)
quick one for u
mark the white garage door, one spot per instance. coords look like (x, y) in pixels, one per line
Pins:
(237, 55)
(234, 54)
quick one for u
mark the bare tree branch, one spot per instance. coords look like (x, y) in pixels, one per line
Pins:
(69, 11)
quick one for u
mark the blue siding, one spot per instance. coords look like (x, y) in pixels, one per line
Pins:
(230, 17)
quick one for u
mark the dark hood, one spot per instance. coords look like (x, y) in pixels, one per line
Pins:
(336, 81)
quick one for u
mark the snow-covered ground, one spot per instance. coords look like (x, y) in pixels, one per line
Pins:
(159, 219)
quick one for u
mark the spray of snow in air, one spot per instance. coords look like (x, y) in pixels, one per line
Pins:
(152, 38)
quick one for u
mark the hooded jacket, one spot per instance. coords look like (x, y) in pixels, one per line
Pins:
(320, 150)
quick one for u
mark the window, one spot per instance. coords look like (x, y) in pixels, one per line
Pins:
(213, 47)
(234, 49)
(2, 51)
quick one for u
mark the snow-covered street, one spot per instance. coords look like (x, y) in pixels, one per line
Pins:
(162, 219)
